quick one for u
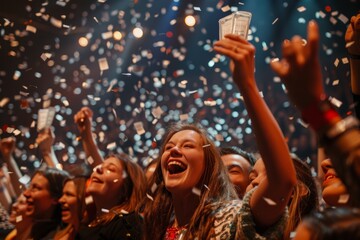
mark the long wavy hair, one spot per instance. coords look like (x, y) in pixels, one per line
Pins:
(80, 185)
(56, 178)
(215, 187)
(132, 191)
(305, 196)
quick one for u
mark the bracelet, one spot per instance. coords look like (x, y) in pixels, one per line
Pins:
(319, 114)
(354, 56)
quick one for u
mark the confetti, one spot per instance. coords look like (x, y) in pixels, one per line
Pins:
(30, 28)
(104, 210)
(103, 64)
(270, 201)
(19, 218)
(344, 198)
(149, 197)
(301, 9)
(89, 200)
(196, 191)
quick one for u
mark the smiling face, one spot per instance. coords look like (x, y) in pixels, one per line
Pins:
(107, 180)
(333, 190)
(40, 204)
(238, 168)
(18, 211)
(183, 161)
(69, 204)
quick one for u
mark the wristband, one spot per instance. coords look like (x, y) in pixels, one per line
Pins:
(319, 114)
(354, 56)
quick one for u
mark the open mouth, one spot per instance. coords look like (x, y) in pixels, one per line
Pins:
(95, 179)
(175, 167)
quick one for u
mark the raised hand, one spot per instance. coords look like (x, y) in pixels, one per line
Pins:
(300, 68)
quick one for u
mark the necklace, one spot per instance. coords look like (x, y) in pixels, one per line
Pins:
(175, 233)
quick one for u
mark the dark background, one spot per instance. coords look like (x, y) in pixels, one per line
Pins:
(172, 68)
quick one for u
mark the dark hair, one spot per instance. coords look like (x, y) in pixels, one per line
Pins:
(56, 179)
(334, 224)
(250, 157)
(132, 191)
(301, 204)
(215, 187)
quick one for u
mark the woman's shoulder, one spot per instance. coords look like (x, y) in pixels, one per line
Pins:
(127, 225)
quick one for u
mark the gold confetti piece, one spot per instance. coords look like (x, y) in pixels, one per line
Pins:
(30, 28)
(90, 160)
(124, 211)
(56, 22)
(4, 101)
(321, 14)
(19, 218)
(349, 44)
(336, 63)
(225, 8)
(333, 20)
(96, 20)
(124, 174)
(196, 191)
(111, 146)
(335, 102)
(197, 9)
(345, 60)
(207, 145)
(184, 117)
(301, 9)
(103, 64)
(206, 187)
(7, 22)
(139, 128)
(335, 82)
(219, 137)
(270, 201)
(89, 200)
(116, 180)
(343, 18)
(344, 198)
(149, 197)
(45, 56)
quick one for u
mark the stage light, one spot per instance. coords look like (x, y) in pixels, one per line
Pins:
(117, 35)
(190, 21)
(83, 42)
(138, 32)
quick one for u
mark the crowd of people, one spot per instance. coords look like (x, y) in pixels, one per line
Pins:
(195, 190)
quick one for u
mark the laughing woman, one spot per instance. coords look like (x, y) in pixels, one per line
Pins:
(116, 187)
(73, 207)
(192, 196)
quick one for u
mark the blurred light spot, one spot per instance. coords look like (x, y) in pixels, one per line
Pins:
(138, 32)
(190, 21)
(83, 42)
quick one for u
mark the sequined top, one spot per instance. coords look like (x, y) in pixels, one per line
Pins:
(233, 221)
